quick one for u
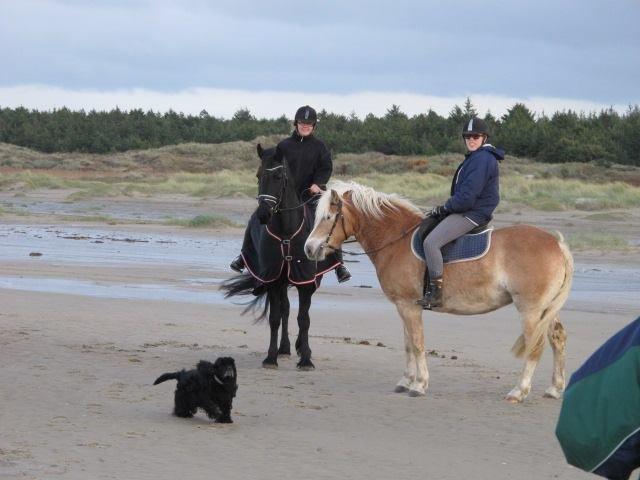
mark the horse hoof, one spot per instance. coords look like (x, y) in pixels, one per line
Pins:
(514, 398)
(552, 392)
(416, 393)
(400, 389)
(284, 355)
(270, 365)
(305, 367)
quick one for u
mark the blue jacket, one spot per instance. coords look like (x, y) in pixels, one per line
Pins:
(475, 191)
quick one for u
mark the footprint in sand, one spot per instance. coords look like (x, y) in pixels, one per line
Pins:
(95, 408)
(59, 423)
(94, 445)
(115, 391)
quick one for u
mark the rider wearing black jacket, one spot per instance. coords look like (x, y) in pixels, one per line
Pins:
(309, 161)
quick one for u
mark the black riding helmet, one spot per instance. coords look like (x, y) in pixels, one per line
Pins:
(305, 114)
(475, 126)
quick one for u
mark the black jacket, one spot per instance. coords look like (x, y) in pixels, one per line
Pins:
(309, 161)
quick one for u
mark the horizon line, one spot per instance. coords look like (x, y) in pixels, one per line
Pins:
(266, 104)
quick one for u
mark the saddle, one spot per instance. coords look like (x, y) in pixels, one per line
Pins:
(471, 246)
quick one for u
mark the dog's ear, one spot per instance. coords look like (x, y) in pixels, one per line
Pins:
(205, 367)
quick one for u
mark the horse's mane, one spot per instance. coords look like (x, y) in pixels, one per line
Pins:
(364, 199)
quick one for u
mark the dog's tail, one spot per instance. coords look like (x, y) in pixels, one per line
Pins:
(167, 376)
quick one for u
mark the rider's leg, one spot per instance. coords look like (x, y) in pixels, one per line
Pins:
(237, 264)
(449, 229)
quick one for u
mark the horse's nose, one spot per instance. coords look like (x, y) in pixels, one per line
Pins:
(308, 251)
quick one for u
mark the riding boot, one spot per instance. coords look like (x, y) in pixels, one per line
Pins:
(237, 265)
(342, 273)
(433, 297)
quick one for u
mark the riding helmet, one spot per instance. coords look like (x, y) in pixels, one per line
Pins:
(306, 114)
(475, 126)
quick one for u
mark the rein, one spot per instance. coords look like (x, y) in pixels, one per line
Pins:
(275, 201)
(339, 215)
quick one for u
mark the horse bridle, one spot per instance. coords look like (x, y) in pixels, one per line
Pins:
(275, 201)
(270, 199)
(340, 216)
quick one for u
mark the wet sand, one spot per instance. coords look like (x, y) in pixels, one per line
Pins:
(90, 323)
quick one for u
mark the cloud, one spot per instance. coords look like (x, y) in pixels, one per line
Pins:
(272, 104)
(560, 48)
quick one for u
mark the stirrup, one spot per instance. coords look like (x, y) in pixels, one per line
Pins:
(433, 297)
(426, 303)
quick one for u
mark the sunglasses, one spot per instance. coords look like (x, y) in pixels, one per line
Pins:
(469, 137)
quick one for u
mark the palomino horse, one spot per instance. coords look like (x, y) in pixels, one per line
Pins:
(525, 265)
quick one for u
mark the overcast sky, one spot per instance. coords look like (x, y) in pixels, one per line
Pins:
(271, 56)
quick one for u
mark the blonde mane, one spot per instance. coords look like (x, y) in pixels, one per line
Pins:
(365, 199)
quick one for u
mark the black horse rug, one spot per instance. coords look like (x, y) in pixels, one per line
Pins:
(268, 255)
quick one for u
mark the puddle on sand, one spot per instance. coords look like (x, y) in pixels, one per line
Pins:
(602, 284)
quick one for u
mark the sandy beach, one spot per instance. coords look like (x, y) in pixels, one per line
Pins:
(90, 322)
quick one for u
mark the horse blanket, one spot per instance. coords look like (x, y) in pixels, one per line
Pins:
(269, 254)
(599, 423)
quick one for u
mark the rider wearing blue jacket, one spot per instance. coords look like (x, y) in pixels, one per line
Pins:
(474, 196)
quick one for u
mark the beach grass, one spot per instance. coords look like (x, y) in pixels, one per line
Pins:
(203, 221)
(597, 241)
(427, 189)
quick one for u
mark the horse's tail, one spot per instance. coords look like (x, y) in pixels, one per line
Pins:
(534, 349)
(167, 376)
(245, 284)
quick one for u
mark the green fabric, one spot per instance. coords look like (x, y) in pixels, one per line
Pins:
(600, 411)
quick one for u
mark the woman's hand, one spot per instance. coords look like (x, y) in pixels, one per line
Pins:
(315, 189)
(439, 212)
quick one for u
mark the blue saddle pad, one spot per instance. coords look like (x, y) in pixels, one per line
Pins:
(468, 247)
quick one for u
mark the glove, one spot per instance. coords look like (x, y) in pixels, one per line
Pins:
(439, 212)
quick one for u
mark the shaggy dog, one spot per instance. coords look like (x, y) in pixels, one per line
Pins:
(210, 386)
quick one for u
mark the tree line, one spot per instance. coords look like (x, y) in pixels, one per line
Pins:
(604, 137)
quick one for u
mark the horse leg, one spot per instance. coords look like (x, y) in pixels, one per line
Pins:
(274, 323)
(410, 369)
(558, 339)
(285, 346)
(302, 343)
(416, 375)
(522, 388)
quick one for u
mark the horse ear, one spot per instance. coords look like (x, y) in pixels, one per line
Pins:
(260, 150)
(335, 198)
(347, 195)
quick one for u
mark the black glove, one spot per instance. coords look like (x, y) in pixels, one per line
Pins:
(439, 212)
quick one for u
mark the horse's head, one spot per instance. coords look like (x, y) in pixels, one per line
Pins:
(272, 182)
(334, 224)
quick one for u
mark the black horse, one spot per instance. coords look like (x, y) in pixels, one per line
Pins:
(275, 259)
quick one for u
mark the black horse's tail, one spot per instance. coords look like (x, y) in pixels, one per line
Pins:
(167, 376)
(245, 284)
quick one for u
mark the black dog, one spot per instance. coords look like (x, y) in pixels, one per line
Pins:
(210, 386)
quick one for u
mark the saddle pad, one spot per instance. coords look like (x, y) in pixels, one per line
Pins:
(468, 247)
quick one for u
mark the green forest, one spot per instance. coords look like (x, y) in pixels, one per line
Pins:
(606, 137)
